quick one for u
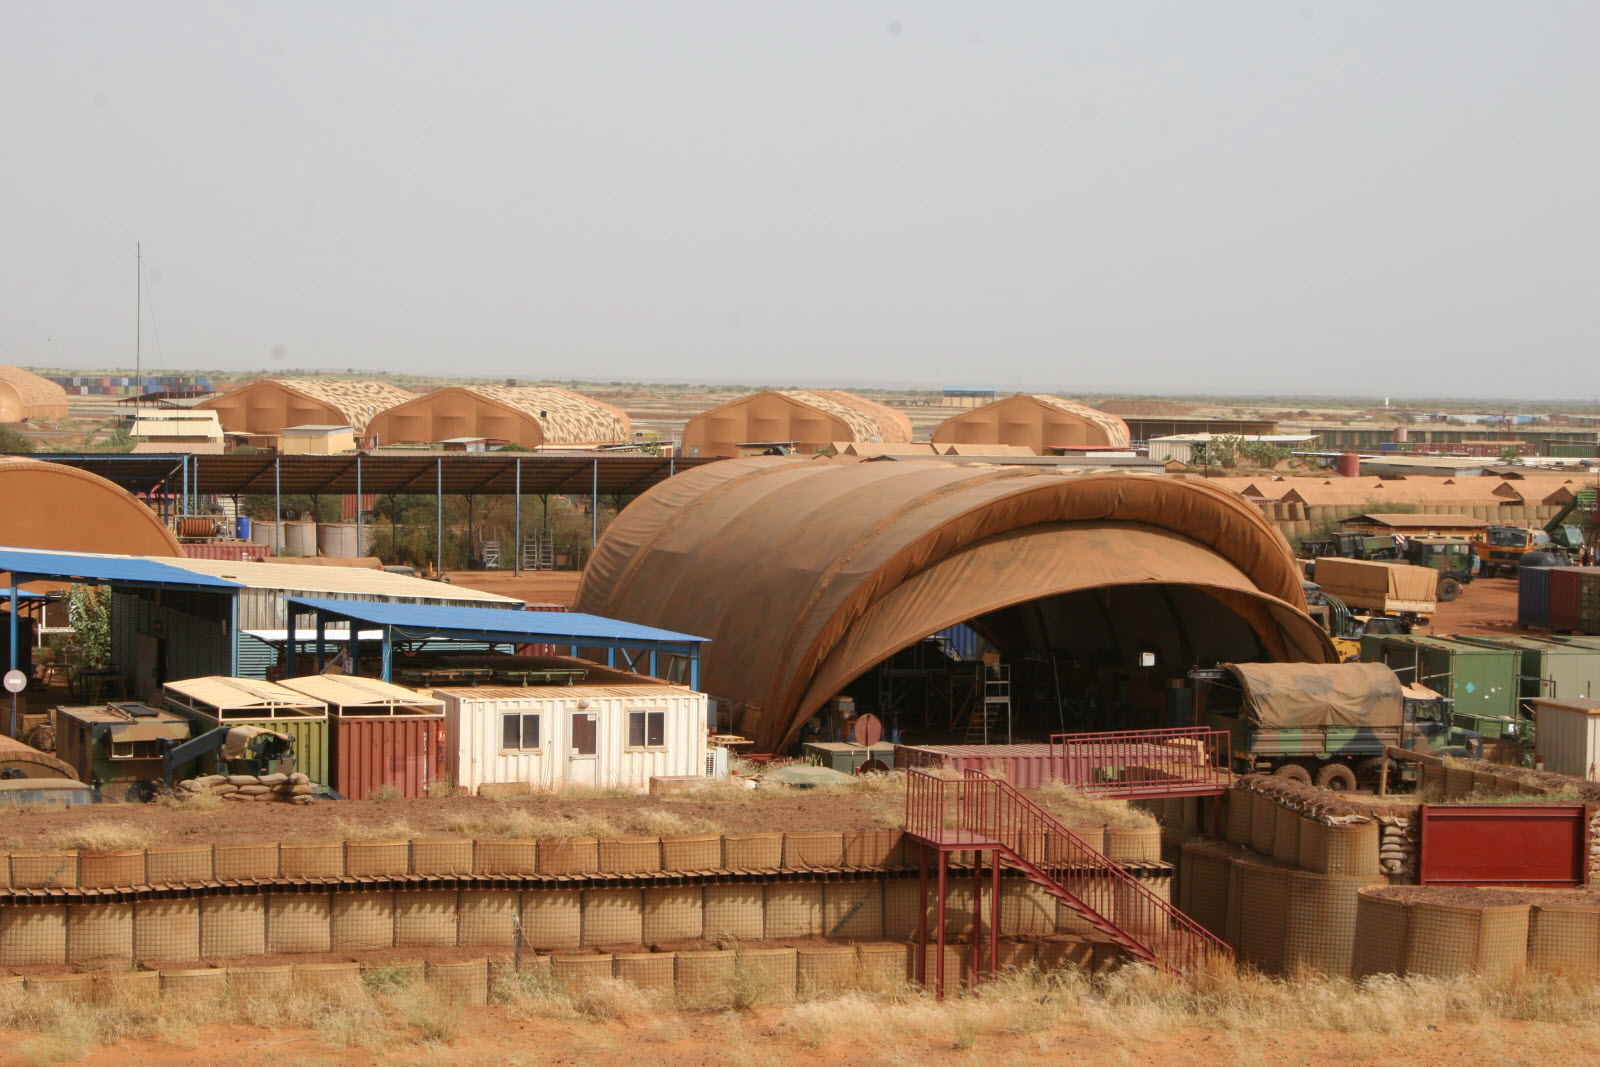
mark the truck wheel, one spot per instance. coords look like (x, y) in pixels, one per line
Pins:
(1449, 589)
(1337, 778)
(1294, 773)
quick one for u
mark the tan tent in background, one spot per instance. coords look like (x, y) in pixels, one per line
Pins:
(1035, 420)
(807, 573)
(267, 405)
(532, 416)
(813, 419)
(24, 395)
(70, 510)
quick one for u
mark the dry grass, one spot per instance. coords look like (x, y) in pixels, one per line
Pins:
(103, 836)
(507, 820)
(655, 822)
(394, 830)
(393, 1012)
(186, 801)
(1079, 809)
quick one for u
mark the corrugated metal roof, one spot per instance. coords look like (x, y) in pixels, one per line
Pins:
(348, 690)
(98, 567)
(560, 692)
(356, 581)
(552, 627)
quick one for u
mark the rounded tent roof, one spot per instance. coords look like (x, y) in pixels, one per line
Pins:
(59, 507)
(25, 395)
(1005, 421)
(806, 573)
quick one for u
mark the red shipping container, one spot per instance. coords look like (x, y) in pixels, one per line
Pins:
(542, 649)
(406, 752)
(233, 551)
(1564, 613)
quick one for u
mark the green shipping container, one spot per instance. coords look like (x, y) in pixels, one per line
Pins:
(1482, 682)
(218, 701)
(1551, 669)
(1589, 602)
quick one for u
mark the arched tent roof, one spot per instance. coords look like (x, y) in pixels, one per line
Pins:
(1036, 420)
(532, 416)
(806, 573)
(813, 418)
(25, 395)
(59, 507)
(267, 405)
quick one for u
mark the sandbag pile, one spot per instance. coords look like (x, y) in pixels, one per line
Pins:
(290, 788)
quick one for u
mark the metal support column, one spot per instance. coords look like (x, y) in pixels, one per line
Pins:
(922, 921)
(438, 516)
(233, 636)
(359, 509)
(388, 653)
(12, 663)
(938, 921)
(277, 503)
(322, 641)
(516, 494)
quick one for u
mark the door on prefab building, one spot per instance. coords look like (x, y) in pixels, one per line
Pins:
(582, 763)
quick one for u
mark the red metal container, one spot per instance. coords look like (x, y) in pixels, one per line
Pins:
(1564, 613)
(233, 551)
(404, 752)
(542, 650)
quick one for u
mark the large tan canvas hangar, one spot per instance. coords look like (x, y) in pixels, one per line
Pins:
(807, 574)
(24, 395)
(57, 507)
(267, 405)
(812, 419)
(532, 416)
(1036, 421)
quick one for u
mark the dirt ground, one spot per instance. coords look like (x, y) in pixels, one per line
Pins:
(1486, 606)
(536, 587)
(499, 1036)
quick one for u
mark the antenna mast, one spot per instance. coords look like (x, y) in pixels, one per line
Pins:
(138, 320)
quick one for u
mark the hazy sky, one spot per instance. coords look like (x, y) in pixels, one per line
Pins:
(1332, 197)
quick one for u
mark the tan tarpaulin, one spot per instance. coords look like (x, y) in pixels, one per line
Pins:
(16, 756)
(778, 560)
(1292, 695)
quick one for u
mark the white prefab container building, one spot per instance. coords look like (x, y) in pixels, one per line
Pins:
(551, 737)
(1566, 735)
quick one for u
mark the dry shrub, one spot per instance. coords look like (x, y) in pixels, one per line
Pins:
(538, 995)
(182, 800)
(1076, 808)
(654, 822)
(358, 831)
(103, 836)
(504, 819)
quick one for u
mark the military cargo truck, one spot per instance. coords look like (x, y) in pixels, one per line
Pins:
(1328, 723)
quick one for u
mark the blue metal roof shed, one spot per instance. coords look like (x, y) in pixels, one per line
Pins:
(576, 630)
(124, 572)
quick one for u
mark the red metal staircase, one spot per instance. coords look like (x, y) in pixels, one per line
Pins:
(1003, 829)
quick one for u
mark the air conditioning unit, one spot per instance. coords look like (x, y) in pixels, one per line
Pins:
(716, 762)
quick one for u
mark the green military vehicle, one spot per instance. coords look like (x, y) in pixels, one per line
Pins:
(1328, 723)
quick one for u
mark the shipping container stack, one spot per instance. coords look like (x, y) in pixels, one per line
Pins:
(1564, 599)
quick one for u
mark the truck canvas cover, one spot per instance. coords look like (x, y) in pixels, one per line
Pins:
(1294, 695)
(1378, 585)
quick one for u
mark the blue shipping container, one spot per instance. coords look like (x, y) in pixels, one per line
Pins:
(1533, 597)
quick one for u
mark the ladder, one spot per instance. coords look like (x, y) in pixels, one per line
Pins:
(491, 555)
(994, 709)
(539, 551)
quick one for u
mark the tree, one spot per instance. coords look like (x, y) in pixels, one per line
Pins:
(89, 608)
(14, 440)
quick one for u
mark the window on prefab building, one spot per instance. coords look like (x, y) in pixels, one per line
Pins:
(647, 729)
(519, 730)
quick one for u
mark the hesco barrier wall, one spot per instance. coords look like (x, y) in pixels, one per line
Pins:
(1449, 932)
(751, 975)
(221, 923)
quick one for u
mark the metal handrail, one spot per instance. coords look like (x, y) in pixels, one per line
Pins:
(989, 811)
(1146, 762)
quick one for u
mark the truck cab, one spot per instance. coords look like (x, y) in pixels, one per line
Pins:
(1429, 725)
